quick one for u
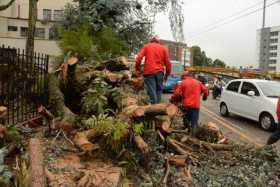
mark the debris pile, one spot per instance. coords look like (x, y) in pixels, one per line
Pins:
(101, 131)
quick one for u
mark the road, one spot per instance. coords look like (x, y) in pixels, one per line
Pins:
(234, 127)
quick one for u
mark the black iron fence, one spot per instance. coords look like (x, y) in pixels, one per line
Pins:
(23, 83)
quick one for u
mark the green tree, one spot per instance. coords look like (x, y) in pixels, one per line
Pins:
(5, 6)
(78, 40)
(200, 59)
(219, 63)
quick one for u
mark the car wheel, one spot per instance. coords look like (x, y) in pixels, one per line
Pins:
(224, 110)
(267, 122)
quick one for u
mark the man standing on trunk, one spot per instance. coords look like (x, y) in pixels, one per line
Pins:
(157, 68)
(188, 94)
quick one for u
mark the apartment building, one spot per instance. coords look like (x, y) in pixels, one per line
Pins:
(268, 49)
(14, 25)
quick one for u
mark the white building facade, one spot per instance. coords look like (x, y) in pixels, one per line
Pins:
(268, 46)
(14, 25)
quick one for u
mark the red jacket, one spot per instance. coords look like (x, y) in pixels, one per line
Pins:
(156, 59)
(190, 91)
(278, 110)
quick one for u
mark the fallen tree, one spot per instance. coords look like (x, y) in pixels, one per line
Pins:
(37, 176)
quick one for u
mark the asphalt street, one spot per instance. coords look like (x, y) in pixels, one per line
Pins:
(234, 127)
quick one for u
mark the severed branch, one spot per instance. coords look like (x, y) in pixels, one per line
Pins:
(167, 173)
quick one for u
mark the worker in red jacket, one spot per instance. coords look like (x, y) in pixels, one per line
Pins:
(157, 68)
(276, 135)
(189, 92)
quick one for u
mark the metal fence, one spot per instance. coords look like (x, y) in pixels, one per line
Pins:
(23, 83)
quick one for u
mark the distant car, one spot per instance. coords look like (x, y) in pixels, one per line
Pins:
(253, 99)
(171, 82)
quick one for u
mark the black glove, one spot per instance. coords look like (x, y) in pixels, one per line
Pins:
(204, 98)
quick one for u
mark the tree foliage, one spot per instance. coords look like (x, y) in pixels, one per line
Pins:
(5, 6)
(132, 20)
(200, 59)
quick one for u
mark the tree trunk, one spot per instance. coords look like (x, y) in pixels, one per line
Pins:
(31, 28)
(141, 144)
(117, 64)
(36, 169)
(4, 7)
(156, 109)
(3, 112)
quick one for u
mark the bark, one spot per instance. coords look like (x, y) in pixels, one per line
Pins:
(3, 112)
(176, 147)
(4, 7)
(141, 144)
(117, 64)
(167, 173)
(178, 161)
(36, 170)
(82, 141)
(31, 28)
(164, 124)
(216, 147)
(3, 131)
(156, 109)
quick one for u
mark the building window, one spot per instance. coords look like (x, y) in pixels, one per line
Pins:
(264, 54)
(53, 34)
(274, 40)
(12, 28)
(273, 54)
(47, 14)
(264, 47)
(274, 47)
(272, 61)
(274, 33)
(23, 31)
(57, 15)
(40, 33)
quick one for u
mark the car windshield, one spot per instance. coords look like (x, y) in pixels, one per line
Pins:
(270, 89)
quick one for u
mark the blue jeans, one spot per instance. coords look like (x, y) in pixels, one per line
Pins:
(154, 86)
(191, 116)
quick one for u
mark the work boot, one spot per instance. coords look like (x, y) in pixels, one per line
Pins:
(193, 132)
(271, 140)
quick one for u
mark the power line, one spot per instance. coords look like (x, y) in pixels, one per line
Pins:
(231, 16)
(235, 19)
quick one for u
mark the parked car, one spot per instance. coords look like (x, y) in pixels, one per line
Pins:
(170, 84)
(253, 99)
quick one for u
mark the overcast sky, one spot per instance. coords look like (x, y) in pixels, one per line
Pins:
(235, 43)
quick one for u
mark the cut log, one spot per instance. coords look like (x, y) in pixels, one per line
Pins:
(3, 131)
(176, 147)
(164, 124)
(117, 64)
(36, 170)
(141, 144)
(216, 147)
(82, 141)
(177, 161)
(210, 133)
(3, 112)
(157, 109)
(167, 173)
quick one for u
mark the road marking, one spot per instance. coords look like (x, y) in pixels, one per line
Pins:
(233, 129)
(222, 119)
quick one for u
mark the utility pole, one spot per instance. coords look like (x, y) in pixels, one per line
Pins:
(31, 27)
(264, 12)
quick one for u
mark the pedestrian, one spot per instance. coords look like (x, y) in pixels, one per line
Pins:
(188, 92)
(157, 68)
(276, 135)
(217, 89)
